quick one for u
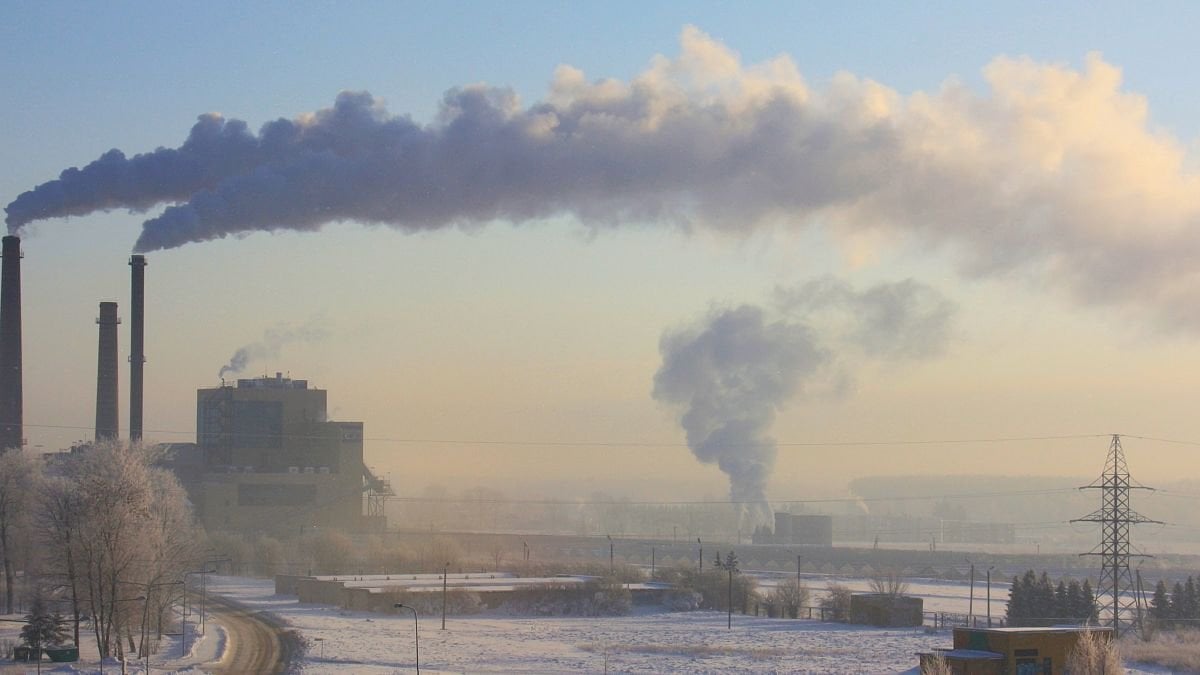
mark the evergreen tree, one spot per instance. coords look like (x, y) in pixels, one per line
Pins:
(1023, 600)
(1017, 603)
(1191, 602)
(1160, 605)
(1178, 603)
(1088, 609)
(1062, 610)
(1074, 608)
(1043, 604)
(44, 628)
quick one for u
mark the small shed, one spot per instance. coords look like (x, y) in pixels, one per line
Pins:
(1013, 651)
(886, 610)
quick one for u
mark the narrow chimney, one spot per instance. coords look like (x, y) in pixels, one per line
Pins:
(11, 417)
(137, 353)
(107, 426)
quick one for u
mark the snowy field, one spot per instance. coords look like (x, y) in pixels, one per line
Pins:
(694, 642)
(645, 642)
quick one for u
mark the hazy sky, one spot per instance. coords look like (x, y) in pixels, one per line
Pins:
(1030, 168)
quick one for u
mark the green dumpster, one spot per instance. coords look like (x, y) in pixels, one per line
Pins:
(63, 654)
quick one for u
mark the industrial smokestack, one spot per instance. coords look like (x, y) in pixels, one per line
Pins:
(137, 353)
(106, 374)
(11, 416)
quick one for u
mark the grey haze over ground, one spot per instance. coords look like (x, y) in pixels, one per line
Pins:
(1051, 171)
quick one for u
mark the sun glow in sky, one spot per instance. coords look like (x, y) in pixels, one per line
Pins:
(1032, 166)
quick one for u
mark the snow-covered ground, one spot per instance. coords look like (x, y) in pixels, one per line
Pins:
(695, 642)
(167, 656)
(647, 641)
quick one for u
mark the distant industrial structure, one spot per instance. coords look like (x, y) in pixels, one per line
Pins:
(267, 459)
(803, 529)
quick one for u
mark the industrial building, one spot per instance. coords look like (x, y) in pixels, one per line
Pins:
(267, 459)
(797, 529)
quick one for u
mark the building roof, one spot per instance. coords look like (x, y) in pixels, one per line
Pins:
(1038, 629)
(971, 655)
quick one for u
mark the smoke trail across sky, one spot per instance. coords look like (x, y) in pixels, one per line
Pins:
(731, 372)
(1052, 169)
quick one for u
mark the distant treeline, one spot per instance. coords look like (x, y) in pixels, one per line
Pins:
(1180, 607)
(1037, 601)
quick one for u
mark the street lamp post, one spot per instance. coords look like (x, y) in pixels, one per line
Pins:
(610, 554)
(989, 594)
(971, 602)
(730, 564)
(416, 636)
(445, 573)
(101, 648)
(145, 646)
(204, 584)
(701, 555)
(183, 637)
(652, 562)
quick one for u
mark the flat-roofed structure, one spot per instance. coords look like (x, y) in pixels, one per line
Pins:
(270, 460)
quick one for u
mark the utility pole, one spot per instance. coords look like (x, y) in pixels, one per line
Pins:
(971, 602)
(445, 573)
(1115, 516)
(730, 565)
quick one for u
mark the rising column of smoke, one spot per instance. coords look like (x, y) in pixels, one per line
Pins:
(271, 344)
(1050, 169)
(732, 371)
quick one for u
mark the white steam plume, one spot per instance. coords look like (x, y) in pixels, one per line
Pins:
(732, 371)
(1052, 168)
(271, 344)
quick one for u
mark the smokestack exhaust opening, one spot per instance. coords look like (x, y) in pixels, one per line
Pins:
(137, 352)
(12, 427)
(107, 426)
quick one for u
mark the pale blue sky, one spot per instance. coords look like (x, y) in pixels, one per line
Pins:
(543, 332)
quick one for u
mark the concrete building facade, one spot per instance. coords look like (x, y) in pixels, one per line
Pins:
(267, 459)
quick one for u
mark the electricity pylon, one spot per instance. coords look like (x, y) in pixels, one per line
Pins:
(1116, 590)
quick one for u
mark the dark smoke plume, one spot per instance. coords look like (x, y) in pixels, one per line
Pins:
(271, 345)
(735, 369)
(1051, 169)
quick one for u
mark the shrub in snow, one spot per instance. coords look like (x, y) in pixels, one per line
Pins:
(683, 600)
(601, 597)
(458, 601)
(787, 599)
(1094, 654)
(836, 603)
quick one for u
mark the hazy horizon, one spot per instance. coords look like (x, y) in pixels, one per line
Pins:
(846, 239)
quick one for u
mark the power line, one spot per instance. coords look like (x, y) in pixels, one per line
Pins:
(1162, 440)
(631, 444)
(721, 502)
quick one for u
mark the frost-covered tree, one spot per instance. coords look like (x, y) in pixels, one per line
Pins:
(59, 514)
(17, 479)
(788, 598)
(119, 534)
